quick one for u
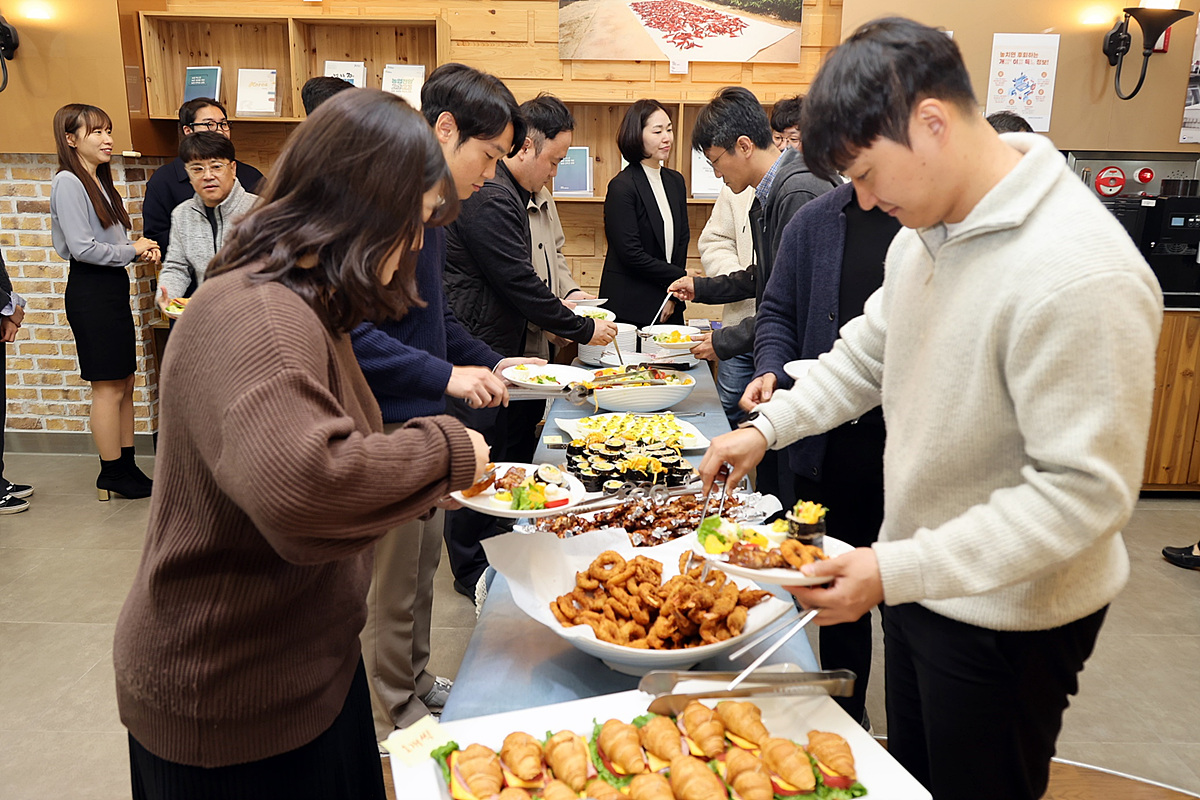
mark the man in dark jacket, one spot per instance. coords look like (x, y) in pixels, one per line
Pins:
(495, 292)
(12, 312)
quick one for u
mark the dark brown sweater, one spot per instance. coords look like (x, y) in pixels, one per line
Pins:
(239, 638)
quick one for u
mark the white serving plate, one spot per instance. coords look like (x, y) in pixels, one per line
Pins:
(484, 504)
(523, 374)
(676, 354)
(539, 567)
(799, 368)
(594, 313)
(778, 577)
(691, 438)
(591, 301)
(643, 399)
(787, 717)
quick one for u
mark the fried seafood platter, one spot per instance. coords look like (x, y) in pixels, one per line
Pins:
(583, 589)
(707, 752)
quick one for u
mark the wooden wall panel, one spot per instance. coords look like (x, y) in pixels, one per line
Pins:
(1176, 403)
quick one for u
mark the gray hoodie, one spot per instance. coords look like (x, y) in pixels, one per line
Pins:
(193, 242)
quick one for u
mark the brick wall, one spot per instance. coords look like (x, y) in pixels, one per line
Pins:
(43, 390)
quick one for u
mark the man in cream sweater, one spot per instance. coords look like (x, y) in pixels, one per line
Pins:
(1012, 347)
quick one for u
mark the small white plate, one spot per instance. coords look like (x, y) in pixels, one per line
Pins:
(674, 345)
(485, 504)
(594, 313)
(779, 577)
(562, 374)
(591, 301)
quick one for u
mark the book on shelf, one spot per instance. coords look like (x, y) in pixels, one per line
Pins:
(256, 95)
(350, 71)
(574, 178)
(202, 82)
(406, 81)
(705, 182)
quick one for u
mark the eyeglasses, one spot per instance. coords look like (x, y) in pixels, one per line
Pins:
(210, 125)
(200, 170)
(712, 162)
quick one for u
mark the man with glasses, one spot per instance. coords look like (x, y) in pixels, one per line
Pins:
(202, 222)
(170, 184)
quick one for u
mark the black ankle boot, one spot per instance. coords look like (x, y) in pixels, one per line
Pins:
(132, 468)
(115, 478)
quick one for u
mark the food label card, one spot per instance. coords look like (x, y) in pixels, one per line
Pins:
(411, 746)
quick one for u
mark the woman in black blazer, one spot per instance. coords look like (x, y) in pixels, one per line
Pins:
(638, 267)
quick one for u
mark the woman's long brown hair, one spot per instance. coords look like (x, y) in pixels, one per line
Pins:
(349, 189)
(72, 118)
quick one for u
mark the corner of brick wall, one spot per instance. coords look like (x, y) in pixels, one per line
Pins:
(43, 389)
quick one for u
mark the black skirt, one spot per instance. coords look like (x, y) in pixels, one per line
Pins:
(97, 304)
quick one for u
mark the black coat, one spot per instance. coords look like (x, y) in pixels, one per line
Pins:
(637, 270)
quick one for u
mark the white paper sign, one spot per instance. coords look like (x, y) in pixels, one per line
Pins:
(1021, 76)
(350, 71)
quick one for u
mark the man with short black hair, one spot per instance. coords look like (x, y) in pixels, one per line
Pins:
(495, 291)
(1009, 122)
(732, 132)
(412, 365)
(1012, 347)
(319, 89)
(785, 122)
(170, 185)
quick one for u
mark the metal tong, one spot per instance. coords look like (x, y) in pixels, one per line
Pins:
(721, 477)
(835, 683)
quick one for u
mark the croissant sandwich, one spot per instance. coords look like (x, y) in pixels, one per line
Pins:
(650, 786)
(567, 755)
(691, 779)
(661, 737)
(597, 789)
(744, 720)
(705, 728)
(789, 762)
(479, 767)
(513, 793)
(747, 775)
(832, 751)
(522, 754)
(620, 743)
(557, 790)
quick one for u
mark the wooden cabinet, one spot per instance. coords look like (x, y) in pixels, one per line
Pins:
(1173, 452)
(296, 47)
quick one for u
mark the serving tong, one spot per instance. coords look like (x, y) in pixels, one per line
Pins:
(769, 683)
(578, 393)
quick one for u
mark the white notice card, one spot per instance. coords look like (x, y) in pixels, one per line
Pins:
(350, 71)
(256, 93)
(406, 81)
(1021, 76)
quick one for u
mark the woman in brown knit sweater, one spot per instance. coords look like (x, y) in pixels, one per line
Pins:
(237, 657)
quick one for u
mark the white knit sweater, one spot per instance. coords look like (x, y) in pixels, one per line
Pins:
(1015, 362)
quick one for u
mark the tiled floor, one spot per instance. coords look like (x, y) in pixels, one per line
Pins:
(66, 564)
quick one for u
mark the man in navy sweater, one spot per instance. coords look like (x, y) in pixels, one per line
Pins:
(412, 364)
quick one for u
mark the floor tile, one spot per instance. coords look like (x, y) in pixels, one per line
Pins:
(447, 646)
(71, 586)
(41, 662)
(39, 765)
(1143, 760)
(89, 704)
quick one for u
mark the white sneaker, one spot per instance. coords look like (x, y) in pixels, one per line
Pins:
(436, 697)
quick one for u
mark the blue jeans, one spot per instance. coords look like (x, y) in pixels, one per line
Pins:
(733, 374)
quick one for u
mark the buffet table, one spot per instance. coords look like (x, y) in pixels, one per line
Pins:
(513, 662)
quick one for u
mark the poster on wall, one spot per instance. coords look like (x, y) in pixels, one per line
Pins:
(1021, 76)
(1189, 132)
(680, 31)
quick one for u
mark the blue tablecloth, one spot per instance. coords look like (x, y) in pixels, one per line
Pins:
(513, 662)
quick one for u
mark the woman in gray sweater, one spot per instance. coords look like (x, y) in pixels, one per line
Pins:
(90, 228)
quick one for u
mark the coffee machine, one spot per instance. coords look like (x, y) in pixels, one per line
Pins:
(1170, 243)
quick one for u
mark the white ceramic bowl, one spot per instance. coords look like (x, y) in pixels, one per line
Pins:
(627, 340)
(653, 347)
(643, 399)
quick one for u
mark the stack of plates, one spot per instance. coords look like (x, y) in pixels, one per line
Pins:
(654, 348)
(627, 340)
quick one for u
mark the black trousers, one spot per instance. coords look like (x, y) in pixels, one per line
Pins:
(340, 764)
(512, 434)
(3, 405)
(974, 713)
(851, 487)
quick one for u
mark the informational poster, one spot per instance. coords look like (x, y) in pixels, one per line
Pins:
(1189, 132)
(1021, 76)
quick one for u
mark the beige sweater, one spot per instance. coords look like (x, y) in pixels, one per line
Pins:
(1015, 362)
(239, 638)
(726, 246)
